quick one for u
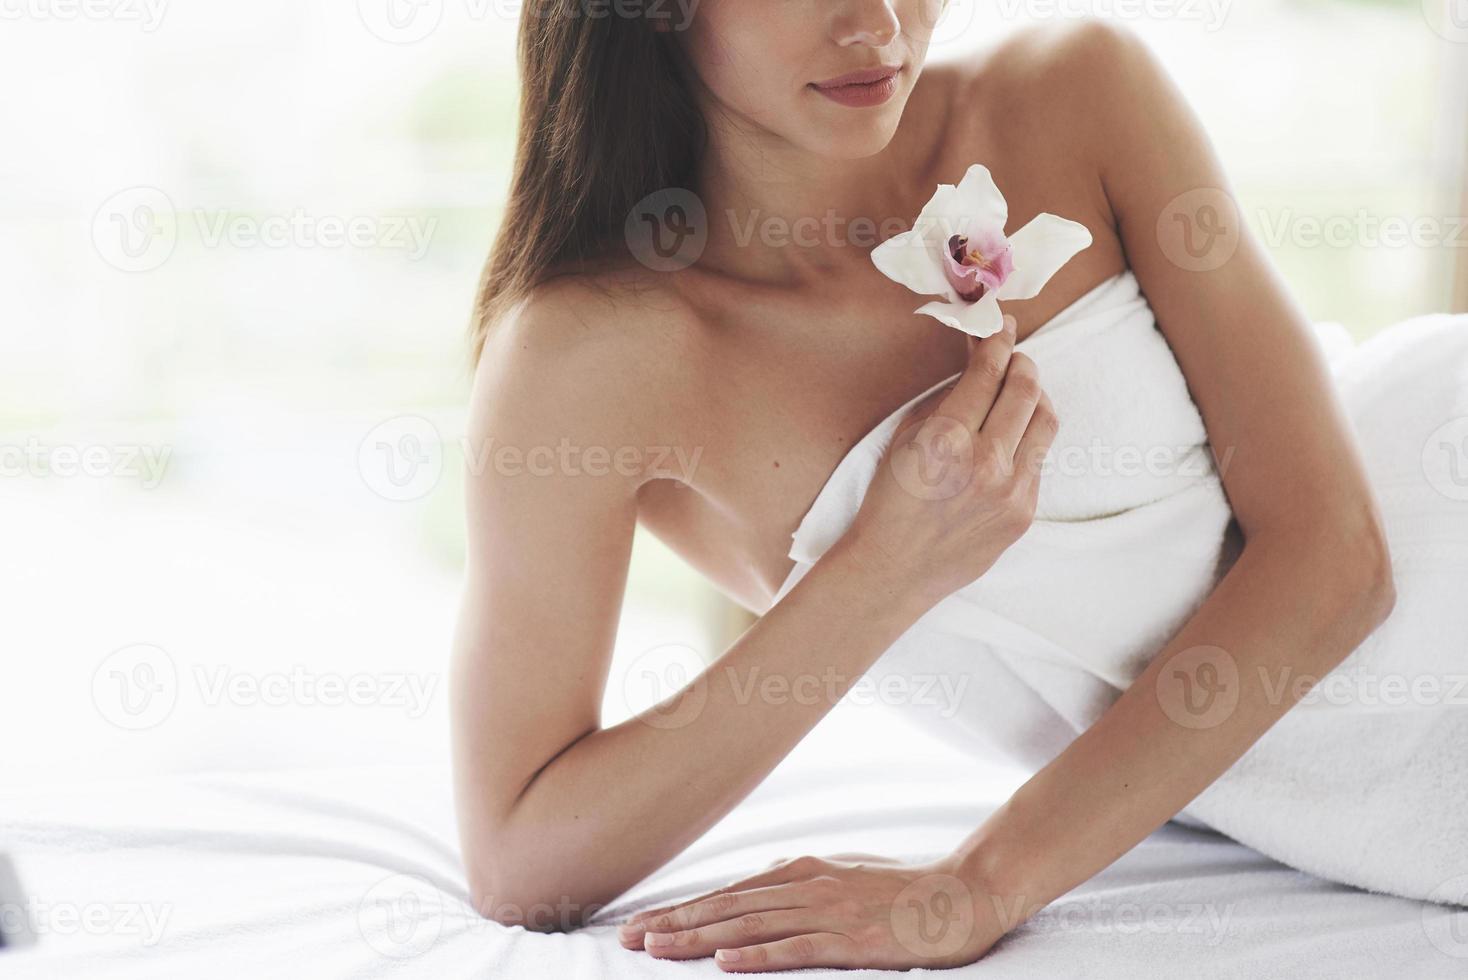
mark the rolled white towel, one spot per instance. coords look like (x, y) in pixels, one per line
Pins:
(1133, 531)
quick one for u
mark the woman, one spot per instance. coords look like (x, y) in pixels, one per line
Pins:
(766, 360)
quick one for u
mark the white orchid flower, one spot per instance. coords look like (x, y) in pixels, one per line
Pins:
(957, 250)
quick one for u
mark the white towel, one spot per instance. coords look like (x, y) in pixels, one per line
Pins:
(1366, 782)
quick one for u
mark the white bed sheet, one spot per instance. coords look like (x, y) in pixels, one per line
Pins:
(354, 873)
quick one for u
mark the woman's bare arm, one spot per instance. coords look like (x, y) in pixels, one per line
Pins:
(557, 815)
(1314, 578)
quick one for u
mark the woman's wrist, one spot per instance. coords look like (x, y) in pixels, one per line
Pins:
(1001, 864)
(890, 583)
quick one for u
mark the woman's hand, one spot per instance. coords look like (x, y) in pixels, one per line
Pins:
(852, 911)
(959, 483)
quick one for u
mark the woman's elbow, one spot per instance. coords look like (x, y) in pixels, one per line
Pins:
(1343, 558)
(486, 896)
(1364, 562)
(507, 892)
(534, 911)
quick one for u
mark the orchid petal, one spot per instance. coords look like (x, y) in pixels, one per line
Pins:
(909, 259)
(1039, 249)
(978, 205)
(981, 319)
(936, 220)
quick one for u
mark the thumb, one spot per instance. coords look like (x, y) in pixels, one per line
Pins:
(1009, 328)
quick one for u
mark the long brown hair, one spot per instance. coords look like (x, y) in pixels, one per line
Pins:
(607, 116)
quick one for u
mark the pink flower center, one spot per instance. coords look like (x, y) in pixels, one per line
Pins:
(975, 265)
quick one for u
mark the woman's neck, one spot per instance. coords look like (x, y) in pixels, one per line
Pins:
(780, 213)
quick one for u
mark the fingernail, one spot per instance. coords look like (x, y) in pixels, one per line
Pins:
(727, 955)
(629, 930)
(657, 939)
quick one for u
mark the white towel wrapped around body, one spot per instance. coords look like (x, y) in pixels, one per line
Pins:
(1366, 781)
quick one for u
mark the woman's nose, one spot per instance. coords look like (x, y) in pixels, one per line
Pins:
(865, 22)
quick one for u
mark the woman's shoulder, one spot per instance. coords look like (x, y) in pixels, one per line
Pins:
(602, 316)
(597, 358)
(1079, 78)
(1048, 60)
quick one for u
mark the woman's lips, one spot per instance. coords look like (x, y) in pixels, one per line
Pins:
(860, 89)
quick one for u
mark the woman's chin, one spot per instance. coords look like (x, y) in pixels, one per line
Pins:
(844, 132)
(852, 140)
